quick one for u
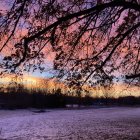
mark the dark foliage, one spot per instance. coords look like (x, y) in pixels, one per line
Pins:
(121, 101)
(36, 99)
(39, 99)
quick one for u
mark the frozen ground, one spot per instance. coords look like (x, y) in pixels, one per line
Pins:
(87, 124)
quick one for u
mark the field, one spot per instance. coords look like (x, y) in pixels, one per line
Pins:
(114, 123)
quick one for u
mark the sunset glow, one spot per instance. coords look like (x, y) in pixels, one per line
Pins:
(117, 90)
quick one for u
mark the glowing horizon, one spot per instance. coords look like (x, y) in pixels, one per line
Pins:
(46, 84)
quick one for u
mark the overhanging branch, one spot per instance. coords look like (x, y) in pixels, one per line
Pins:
(132, 76)
(101, 7)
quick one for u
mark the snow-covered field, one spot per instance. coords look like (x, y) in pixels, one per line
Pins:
(86, 124)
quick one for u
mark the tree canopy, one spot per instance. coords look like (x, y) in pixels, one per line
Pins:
(93, 40)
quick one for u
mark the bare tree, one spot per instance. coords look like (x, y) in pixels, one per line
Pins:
(93, 40)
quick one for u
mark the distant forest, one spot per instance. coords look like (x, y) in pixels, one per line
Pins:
(22, 97)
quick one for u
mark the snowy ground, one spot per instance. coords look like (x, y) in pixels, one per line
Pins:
(87, 124)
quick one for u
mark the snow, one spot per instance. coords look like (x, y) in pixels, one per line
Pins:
(115, 123)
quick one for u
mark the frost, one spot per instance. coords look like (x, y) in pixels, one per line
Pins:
(83, 124)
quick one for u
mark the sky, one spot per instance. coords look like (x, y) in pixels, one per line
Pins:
(49, 72)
